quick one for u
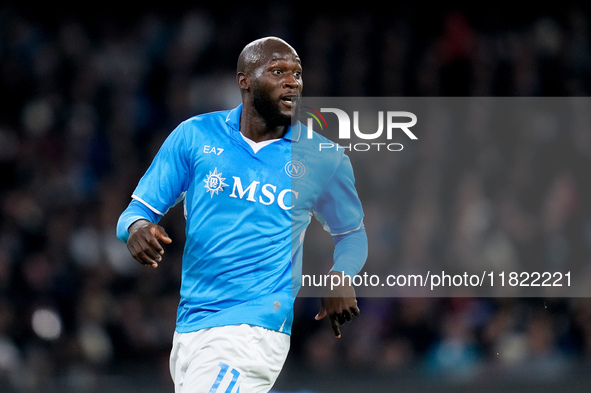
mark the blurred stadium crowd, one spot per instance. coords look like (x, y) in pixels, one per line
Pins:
(88, 96)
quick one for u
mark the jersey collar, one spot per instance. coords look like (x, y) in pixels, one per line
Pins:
(233, 120)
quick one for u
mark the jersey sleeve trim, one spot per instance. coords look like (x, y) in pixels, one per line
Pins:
(347, 232)
(320, 218)
(147, 205)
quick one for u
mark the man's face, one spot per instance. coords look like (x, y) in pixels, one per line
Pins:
(277, 87)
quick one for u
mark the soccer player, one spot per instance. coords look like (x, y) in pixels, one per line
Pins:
(250, 180)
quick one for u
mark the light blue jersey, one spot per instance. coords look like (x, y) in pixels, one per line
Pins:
(246, 213)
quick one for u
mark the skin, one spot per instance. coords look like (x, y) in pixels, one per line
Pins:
(269, 75)
(339, 304)
(268, 70)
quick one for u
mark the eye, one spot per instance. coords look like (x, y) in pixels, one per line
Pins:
(277, 71)
(298, 74)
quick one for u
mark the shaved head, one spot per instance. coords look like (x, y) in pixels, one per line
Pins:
(260, 51)
(269, 75)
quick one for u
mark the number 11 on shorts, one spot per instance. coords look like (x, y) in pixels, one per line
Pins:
(223, 371)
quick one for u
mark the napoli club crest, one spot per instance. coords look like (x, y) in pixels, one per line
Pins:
(295, 169)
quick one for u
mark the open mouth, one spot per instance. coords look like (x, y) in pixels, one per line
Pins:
(289, 100)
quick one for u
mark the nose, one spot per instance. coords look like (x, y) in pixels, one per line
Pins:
(291, 81)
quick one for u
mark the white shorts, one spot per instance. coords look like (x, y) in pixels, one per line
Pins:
(227, 359)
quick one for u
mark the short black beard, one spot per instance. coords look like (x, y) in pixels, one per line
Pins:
(269, 111)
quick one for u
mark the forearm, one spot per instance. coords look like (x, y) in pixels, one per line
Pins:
(350, 252)
(134, 212)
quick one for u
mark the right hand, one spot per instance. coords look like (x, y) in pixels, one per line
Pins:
(144, 242)
(339, 304)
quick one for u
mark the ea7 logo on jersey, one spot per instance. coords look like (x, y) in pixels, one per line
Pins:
(212, 150)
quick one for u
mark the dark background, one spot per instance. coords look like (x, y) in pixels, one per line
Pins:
(88, 93)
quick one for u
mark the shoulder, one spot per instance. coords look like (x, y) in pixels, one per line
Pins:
(319, 149)
(191, 131)
(323, 160)
(197, 127)
(217, 118)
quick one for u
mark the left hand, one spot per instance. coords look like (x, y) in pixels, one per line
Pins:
(340, 304)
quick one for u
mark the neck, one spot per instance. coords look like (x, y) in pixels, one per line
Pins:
(255, 128)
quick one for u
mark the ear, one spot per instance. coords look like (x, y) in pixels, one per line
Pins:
(243, 81)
